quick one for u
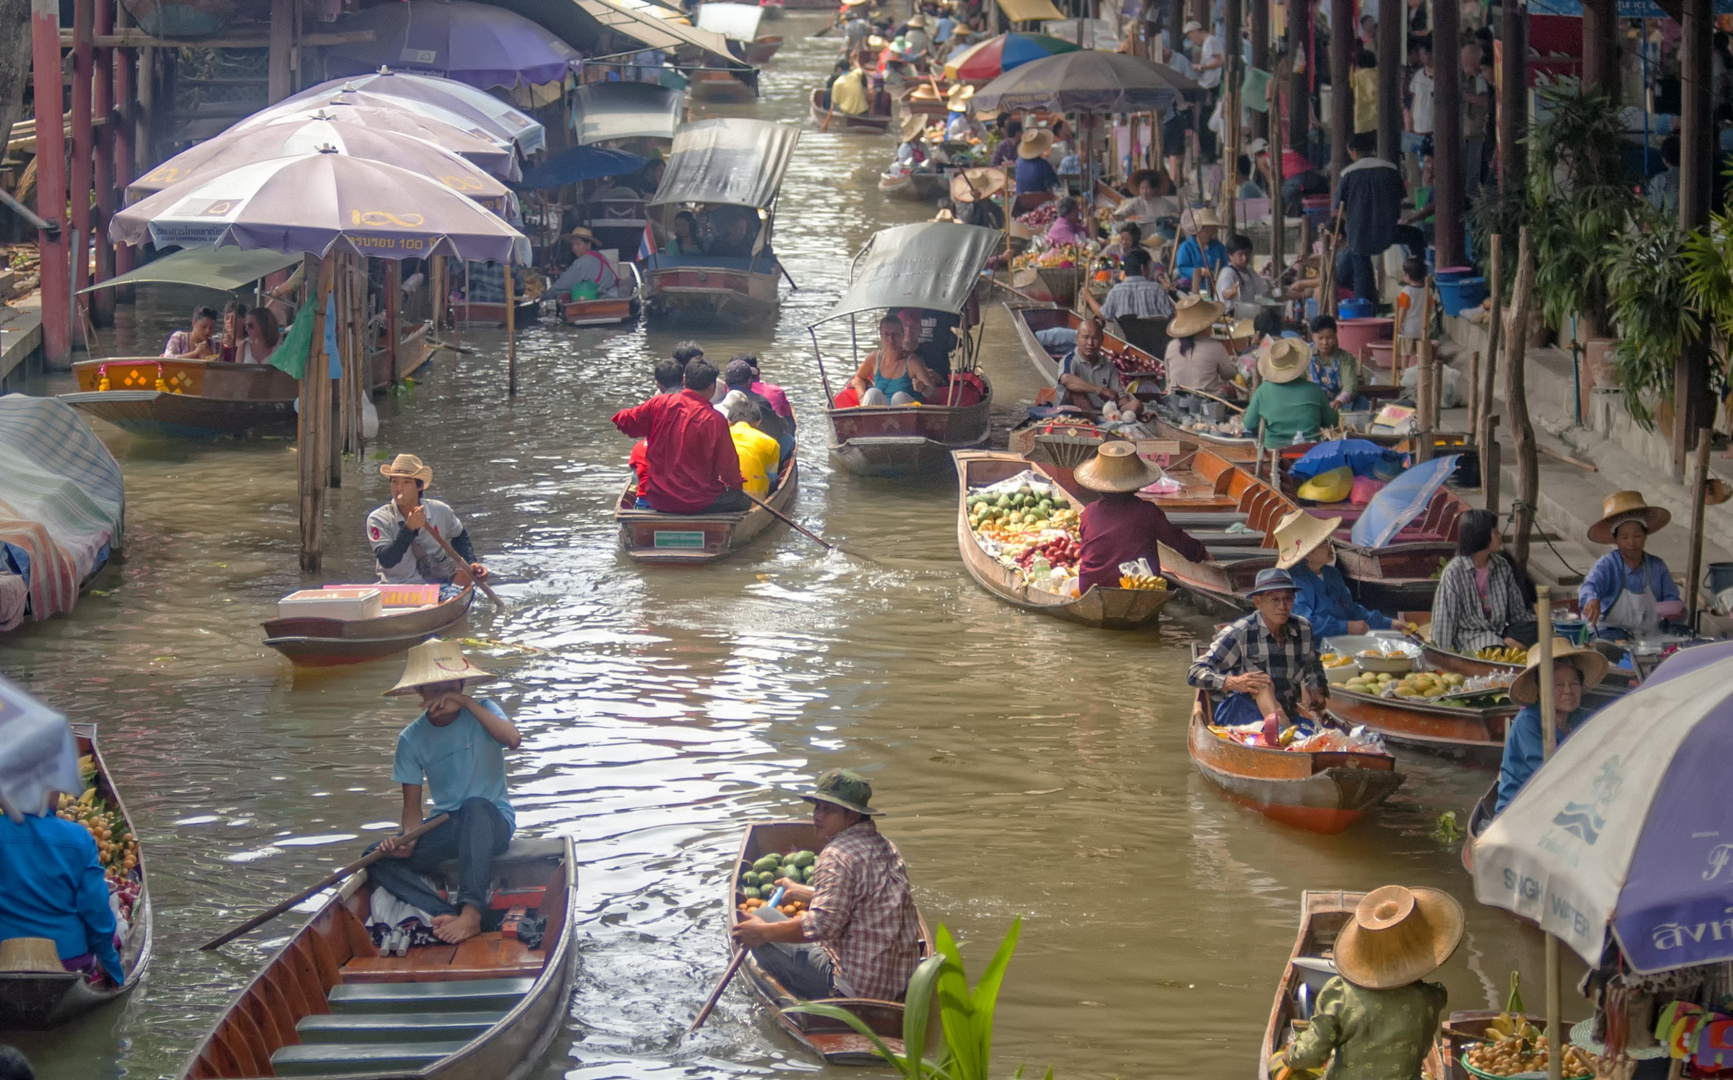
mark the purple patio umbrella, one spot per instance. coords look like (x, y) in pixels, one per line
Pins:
(320, 203)
(496, 156)
(480, 109)
(478, 44)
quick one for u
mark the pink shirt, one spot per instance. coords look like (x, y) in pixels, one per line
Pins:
(1061, 233)
(773, 394)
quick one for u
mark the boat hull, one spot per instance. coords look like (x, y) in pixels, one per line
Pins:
(1473, 735)
(692, 293)
(311, 642)
(759, 52)
(829, 120)
(719, 87)
(1028, 319)
(1322, 917)
(694, 539)
(599, 312)
(901, 440)
(916, 187)
(481, 315)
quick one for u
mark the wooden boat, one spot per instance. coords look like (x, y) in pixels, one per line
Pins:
(1310, 966)
(327, 1004)
(761, 50)
(1240, 450)
(605, 312)
(1480, 815)
(834, 1041)
(904, 440)
(1319, 792)
(832, 120)
(315, 642)
(1028, 319)
(485, 314)
(687, 539)
(714, 295)
(1469, 733)
(720, 87)
(1106, 609)
(1232, 514)
(1617, 683)
(33, 1000)
(917, 186)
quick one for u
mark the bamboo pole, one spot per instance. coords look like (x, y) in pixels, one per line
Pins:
(336, 414)
(1549, 743)
(1699, 493)
(1278, 214)
(1516, 400)
(1481, 421)
(393, 319)
(510, 334)
(315, 414)
(1473, 391)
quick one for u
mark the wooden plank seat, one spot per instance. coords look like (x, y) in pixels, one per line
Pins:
(396, 1027)
(327, 1059)
(464, 995)
(485, 956)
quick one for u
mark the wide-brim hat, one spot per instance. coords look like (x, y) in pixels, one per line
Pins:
(845, 788)
(912, 126)
(1154, 176)
(959, 97)
(1623, 506)
(1035, 143)
(1299, 534)
(977, 183)
(1284, 359)
(919, 22)
(1274, 579)
(30, 954)
(924, 92)
(435, 661)
(409, 466)
(1116, 467)
(1243, 329)
(1398, 936)
(1193, 315)
(1205, 216)
(1525, 688)
(581, 233)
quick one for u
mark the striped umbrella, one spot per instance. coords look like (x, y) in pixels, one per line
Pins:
(995, 56)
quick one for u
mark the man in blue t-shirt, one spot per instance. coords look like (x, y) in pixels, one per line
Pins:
(457, 745)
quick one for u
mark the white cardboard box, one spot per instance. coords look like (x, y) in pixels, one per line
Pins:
(345, 604)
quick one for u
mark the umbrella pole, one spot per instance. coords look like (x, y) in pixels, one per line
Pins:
(1548, 743)
(510, 334)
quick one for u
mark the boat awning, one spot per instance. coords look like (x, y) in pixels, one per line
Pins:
(1027, 10)
(626, 110)
(639, 21)
(932, 265)
(732, 162)
(223, 269)
(737, 21)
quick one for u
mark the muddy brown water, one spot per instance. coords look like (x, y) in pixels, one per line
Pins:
(1031, 768)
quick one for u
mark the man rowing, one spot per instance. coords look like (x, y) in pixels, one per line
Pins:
(399, 532)
(1266, 662)
(859, 936)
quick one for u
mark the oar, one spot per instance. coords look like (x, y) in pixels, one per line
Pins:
(1212, 397)
(451, 553)
(728, 976)
(786, 520)
(323, 883)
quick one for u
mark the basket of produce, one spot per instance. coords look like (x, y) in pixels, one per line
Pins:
(759, 880)
(1516, 1048)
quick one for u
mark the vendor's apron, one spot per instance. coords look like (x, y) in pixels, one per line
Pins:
(1633, 612)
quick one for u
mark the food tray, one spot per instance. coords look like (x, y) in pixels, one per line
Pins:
(1540, 1075)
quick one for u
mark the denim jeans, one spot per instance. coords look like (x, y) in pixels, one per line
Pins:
(476, 833)
(806, 974)
(1357, 272)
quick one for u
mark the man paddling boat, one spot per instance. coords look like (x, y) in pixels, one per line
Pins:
(398, 531)
(1266, 662)
(456, 747)
(859, 936)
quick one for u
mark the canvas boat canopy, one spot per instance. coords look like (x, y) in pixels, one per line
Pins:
(603, 112)
(731, 162)
(224, 269)
(653, 26)
(932, 265)
(736, 21)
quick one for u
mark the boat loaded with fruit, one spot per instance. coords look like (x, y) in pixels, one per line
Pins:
(1380, 680)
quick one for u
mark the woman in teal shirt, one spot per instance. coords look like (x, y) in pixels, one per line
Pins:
(1286, 402)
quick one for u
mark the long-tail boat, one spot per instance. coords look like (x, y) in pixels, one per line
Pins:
(1471, 733)
(833, 1040)
(327, 1004)
(1321, 792)
(688, 539)
(320, 642)
(835, 120)
(1144, 378)
(1232, 513)
(1311, 964)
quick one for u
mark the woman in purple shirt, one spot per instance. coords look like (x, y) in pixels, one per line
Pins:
(1119, 527)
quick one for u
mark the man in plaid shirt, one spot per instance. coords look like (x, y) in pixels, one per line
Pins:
(860, 936)
(1265, 662)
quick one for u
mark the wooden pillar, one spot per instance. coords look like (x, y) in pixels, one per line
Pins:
(335, 418)
(1516, 399)
(125, 117)
(1278, 213)
(51, 185)
(510, 333)
(393, 320)
(279, 85)
(1342, 38)
(1693, 404)
(315, 415)
(1392, 20)
(83, 141)
(1261, 59)
(1513, 100)
(1600, 46)
(1232, 138)
(1447, 131)
(1300, 56)
(1175, 22)
(102, 171)
(144, 115)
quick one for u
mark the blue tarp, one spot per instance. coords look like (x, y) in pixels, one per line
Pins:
(1366, 458)
(581, 163)
(1628, 9)
(1400, 501)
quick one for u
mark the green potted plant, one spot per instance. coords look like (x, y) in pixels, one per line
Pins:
(1649, 284)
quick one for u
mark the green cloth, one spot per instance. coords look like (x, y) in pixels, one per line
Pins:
(1299, 407)
(290, 355)
(1345, 362)
(1375, 1034)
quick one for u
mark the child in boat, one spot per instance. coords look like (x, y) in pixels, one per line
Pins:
(457, 748)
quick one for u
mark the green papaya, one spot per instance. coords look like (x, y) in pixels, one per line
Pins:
(804, 858)
(767, 862)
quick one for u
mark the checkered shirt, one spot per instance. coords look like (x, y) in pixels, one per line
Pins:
(862, 916)
(1247, 645)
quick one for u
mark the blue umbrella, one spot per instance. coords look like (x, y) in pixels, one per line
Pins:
(582, 163)
(1401, 501)
(1364, 457)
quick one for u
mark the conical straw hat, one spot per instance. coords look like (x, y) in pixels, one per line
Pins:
(435, 661)
(1299, 533)
(1193, 315)
(1284, 360)
(1525, 688)
(1116, 467)
(30, 954)
(977, 183)
(1398, 936)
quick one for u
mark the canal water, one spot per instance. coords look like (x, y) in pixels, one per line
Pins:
(1029, 767)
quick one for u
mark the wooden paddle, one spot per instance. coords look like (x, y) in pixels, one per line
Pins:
(323, 883)
(1212, 397)
(451, 553)
(798, 527)
(733, 965)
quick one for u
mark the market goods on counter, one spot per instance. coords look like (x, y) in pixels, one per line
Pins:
(1500, 655)
(1130, 363)
(758, 881)
(1064, 257)
(1334, 660)
(1524, 1051)
(1428, 684)
(1370, 682)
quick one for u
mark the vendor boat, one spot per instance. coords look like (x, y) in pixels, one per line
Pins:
(607, 311)
(916, 186)
(1321, 792)
(734, 166)
(689, 539)
(835, 120)
(1469, 732)
(834, 1041)
(1311, 964)
(1146, 369)
(1103, 608)
(324, 642)
(484, 314)
(36, 1000)
(327, 1004)
(933, 266)
(1617, 682)
(1479, 817)
(1232, 514)
(720, 87)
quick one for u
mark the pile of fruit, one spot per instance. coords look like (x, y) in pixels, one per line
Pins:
(1500, 655)
(1334, 660)
(1143, 581)
(791, 909)
(1061, 552)
(759, 881)
(1040, 217)
(1415, 684)
(1030, 530)
(1130, 363)
(1515, 1046)
(116, 847)
(1064, 257)
(1015, 508)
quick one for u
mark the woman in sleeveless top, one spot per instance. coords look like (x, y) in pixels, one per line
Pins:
(891, 375)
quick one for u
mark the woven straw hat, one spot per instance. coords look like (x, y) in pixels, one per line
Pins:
(1298, 534)
(1193, 315)
(912, 126)
(581, 233)
(1205, 216)
(408, 465)
(1525, 688)
(959, 97)
(1035, 144)
(435, 661)
(924, 92)
(1623, 506)
(977, 183)
(919, 22)
(1284, 360)
(1116, 467)
(30, 954)
(1398, 936)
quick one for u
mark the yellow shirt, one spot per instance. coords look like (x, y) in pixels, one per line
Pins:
(759, 454)
(848, 93)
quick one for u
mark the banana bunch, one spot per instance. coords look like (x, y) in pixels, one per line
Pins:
(1506, 1026)
(1143, 581)
(1501, 655)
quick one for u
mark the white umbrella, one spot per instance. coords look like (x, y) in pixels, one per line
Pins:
(416, 92)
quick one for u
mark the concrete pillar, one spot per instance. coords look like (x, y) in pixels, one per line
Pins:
(1513, 99)
(1693, 404)
(1344, 17)
(1392, 21)
(51, 185)
(1447, 131)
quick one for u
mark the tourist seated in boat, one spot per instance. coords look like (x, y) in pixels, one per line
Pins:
(1152, 202)
(772, 393)
(1067, 229)
(1034, 175)
(890, 374)
(405, 553)
(1140, 294)
(1088, 379)
(1334, 368)
(669, 376)
(684, 241)
(738, 378)
(234, 324)
(848, 94)
(588, 272)
(1264, 664)
(973, 195)
(1574, 672)
(1200, 253)
(1480, 602)
(686, 352)
(1291, 407)
(456, 750)
(733, 231)
(1321, 597)
(260, 334)
(1376, 1017)
(693, 468)
(1628, 592)
(931, 335)
(760, 455)
(56, 895)
(1195, 359)
(1119, 527)
(859, 936)
(198, 343)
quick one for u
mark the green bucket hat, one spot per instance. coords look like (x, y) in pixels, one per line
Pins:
(845, 788)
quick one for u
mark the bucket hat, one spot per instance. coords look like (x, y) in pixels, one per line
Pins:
(410, 466)
(1116, 467)
(1397, 936)
(1623, 506)
(1299, 534)
(1284, 360)
(435, 661)
(845, 788)
(1274, 579)
(1525, 688)
(1193, 314)
(581, 233)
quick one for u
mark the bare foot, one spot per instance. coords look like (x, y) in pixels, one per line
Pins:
(452, 929)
